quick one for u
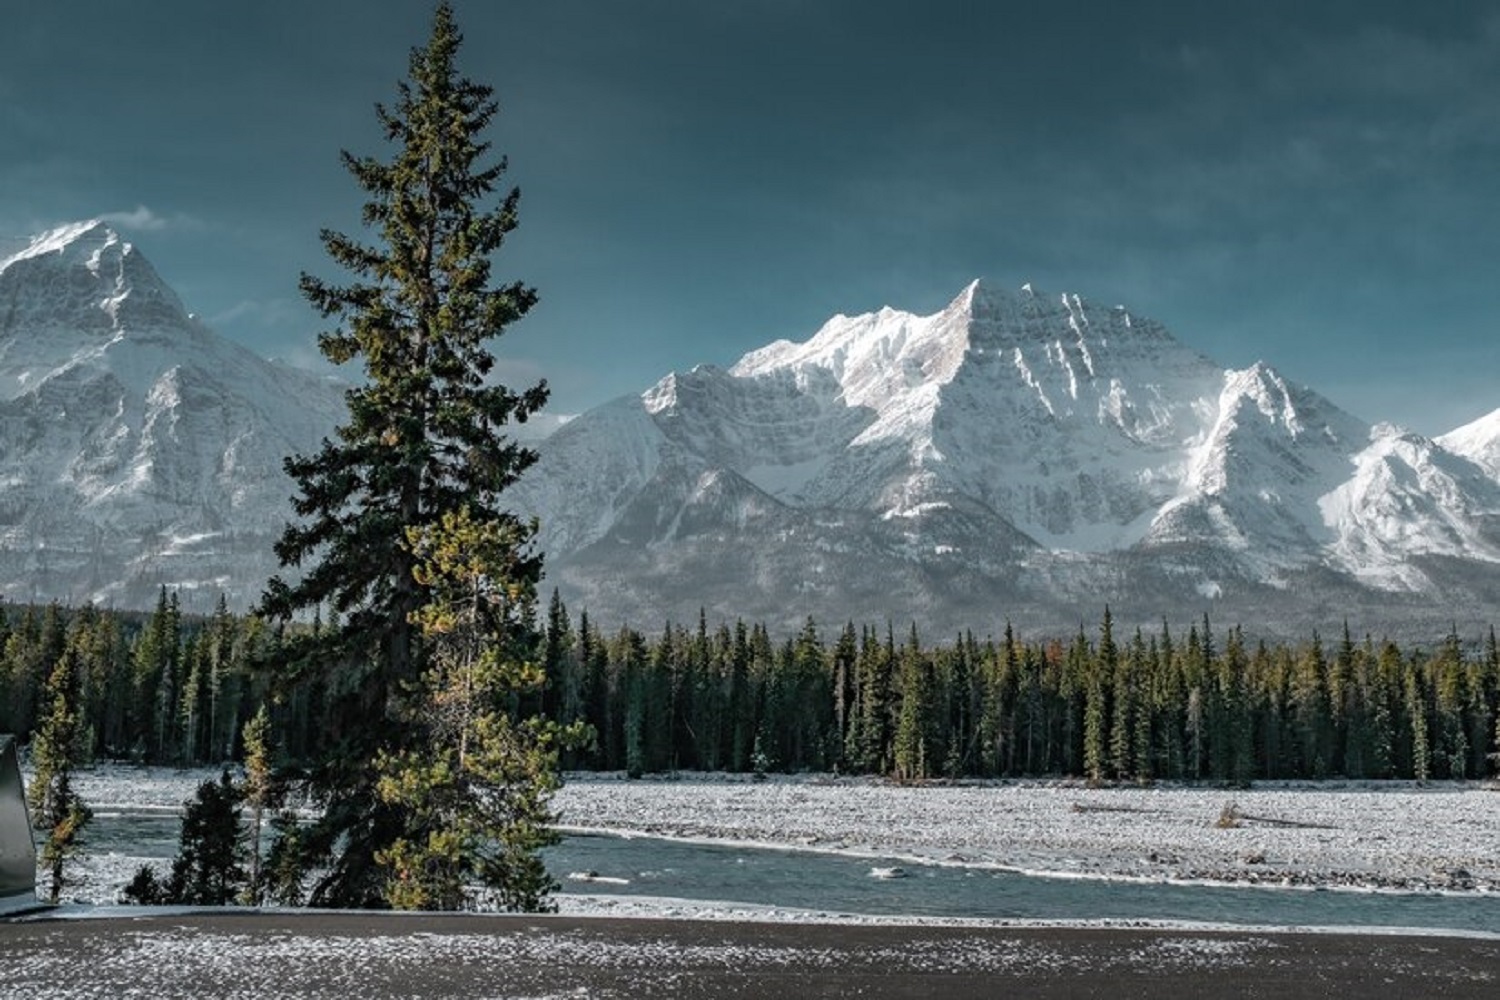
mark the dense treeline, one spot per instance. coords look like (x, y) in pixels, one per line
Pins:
(162, 688)
(1149, 706)
(1203, 705)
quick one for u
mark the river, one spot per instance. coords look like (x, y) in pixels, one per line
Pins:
(653, 867)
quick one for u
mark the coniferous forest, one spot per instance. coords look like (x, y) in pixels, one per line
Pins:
(1194, 703)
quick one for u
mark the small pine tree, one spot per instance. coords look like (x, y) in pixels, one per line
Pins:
(259, 792)
(65, 822)
(912, 741)
(632, 654)
(209, 867)
(1095, 707)
(1141, 746)
(283, 876)
(1416, 708)
(55, 806)
(1126, 704)
(145, 888)
(760, 761)
(1311, 709)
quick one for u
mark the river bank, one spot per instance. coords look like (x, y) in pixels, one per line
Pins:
(1371, 836)
(1355, 835)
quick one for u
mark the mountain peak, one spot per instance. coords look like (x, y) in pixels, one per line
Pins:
(885, 336)
(82, 276)
(137, 448)
(1478, 440)
(980, 296)
(1485, 427)
(985, 294)
(90, 232)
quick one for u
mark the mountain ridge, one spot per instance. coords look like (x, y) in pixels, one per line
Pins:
(1014, 454)
(1042, 448)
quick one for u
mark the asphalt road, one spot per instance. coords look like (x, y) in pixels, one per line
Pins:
(359, 955)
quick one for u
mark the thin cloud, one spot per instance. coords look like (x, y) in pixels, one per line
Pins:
(307, 357)
(540, 427)
(141, 219)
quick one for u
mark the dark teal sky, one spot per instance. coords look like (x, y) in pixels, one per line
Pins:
(1319, 189)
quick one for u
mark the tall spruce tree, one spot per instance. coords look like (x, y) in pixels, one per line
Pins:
(912, 742)
(1095, 714)
(424, 439)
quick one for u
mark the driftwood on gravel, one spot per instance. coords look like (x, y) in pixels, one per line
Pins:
(1232, 817)
(1272, 821)
(1090, 807)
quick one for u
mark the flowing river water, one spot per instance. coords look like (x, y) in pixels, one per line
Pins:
(628, 866)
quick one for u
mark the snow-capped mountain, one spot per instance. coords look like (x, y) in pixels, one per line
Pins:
(137, 448)
(1015, 454)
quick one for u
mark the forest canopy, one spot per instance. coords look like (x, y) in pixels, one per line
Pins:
(1174, 703)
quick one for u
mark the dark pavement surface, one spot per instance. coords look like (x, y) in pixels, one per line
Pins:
(358, 955)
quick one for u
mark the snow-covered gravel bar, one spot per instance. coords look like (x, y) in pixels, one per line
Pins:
(1355, 834)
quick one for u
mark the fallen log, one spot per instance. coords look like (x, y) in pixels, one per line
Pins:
(1273, 821)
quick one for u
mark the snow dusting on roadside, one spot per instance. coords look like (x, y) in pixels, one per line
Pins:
(186, 960)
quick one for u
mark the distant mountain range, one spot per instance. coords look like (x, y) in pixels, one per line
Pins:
(1020, 455)
(1017, 455)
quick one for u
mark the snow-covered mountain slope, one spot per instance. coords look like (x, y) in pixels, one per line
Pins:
(1012, 451)
(1478, 441)
(137, 448)
(1408, 496)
